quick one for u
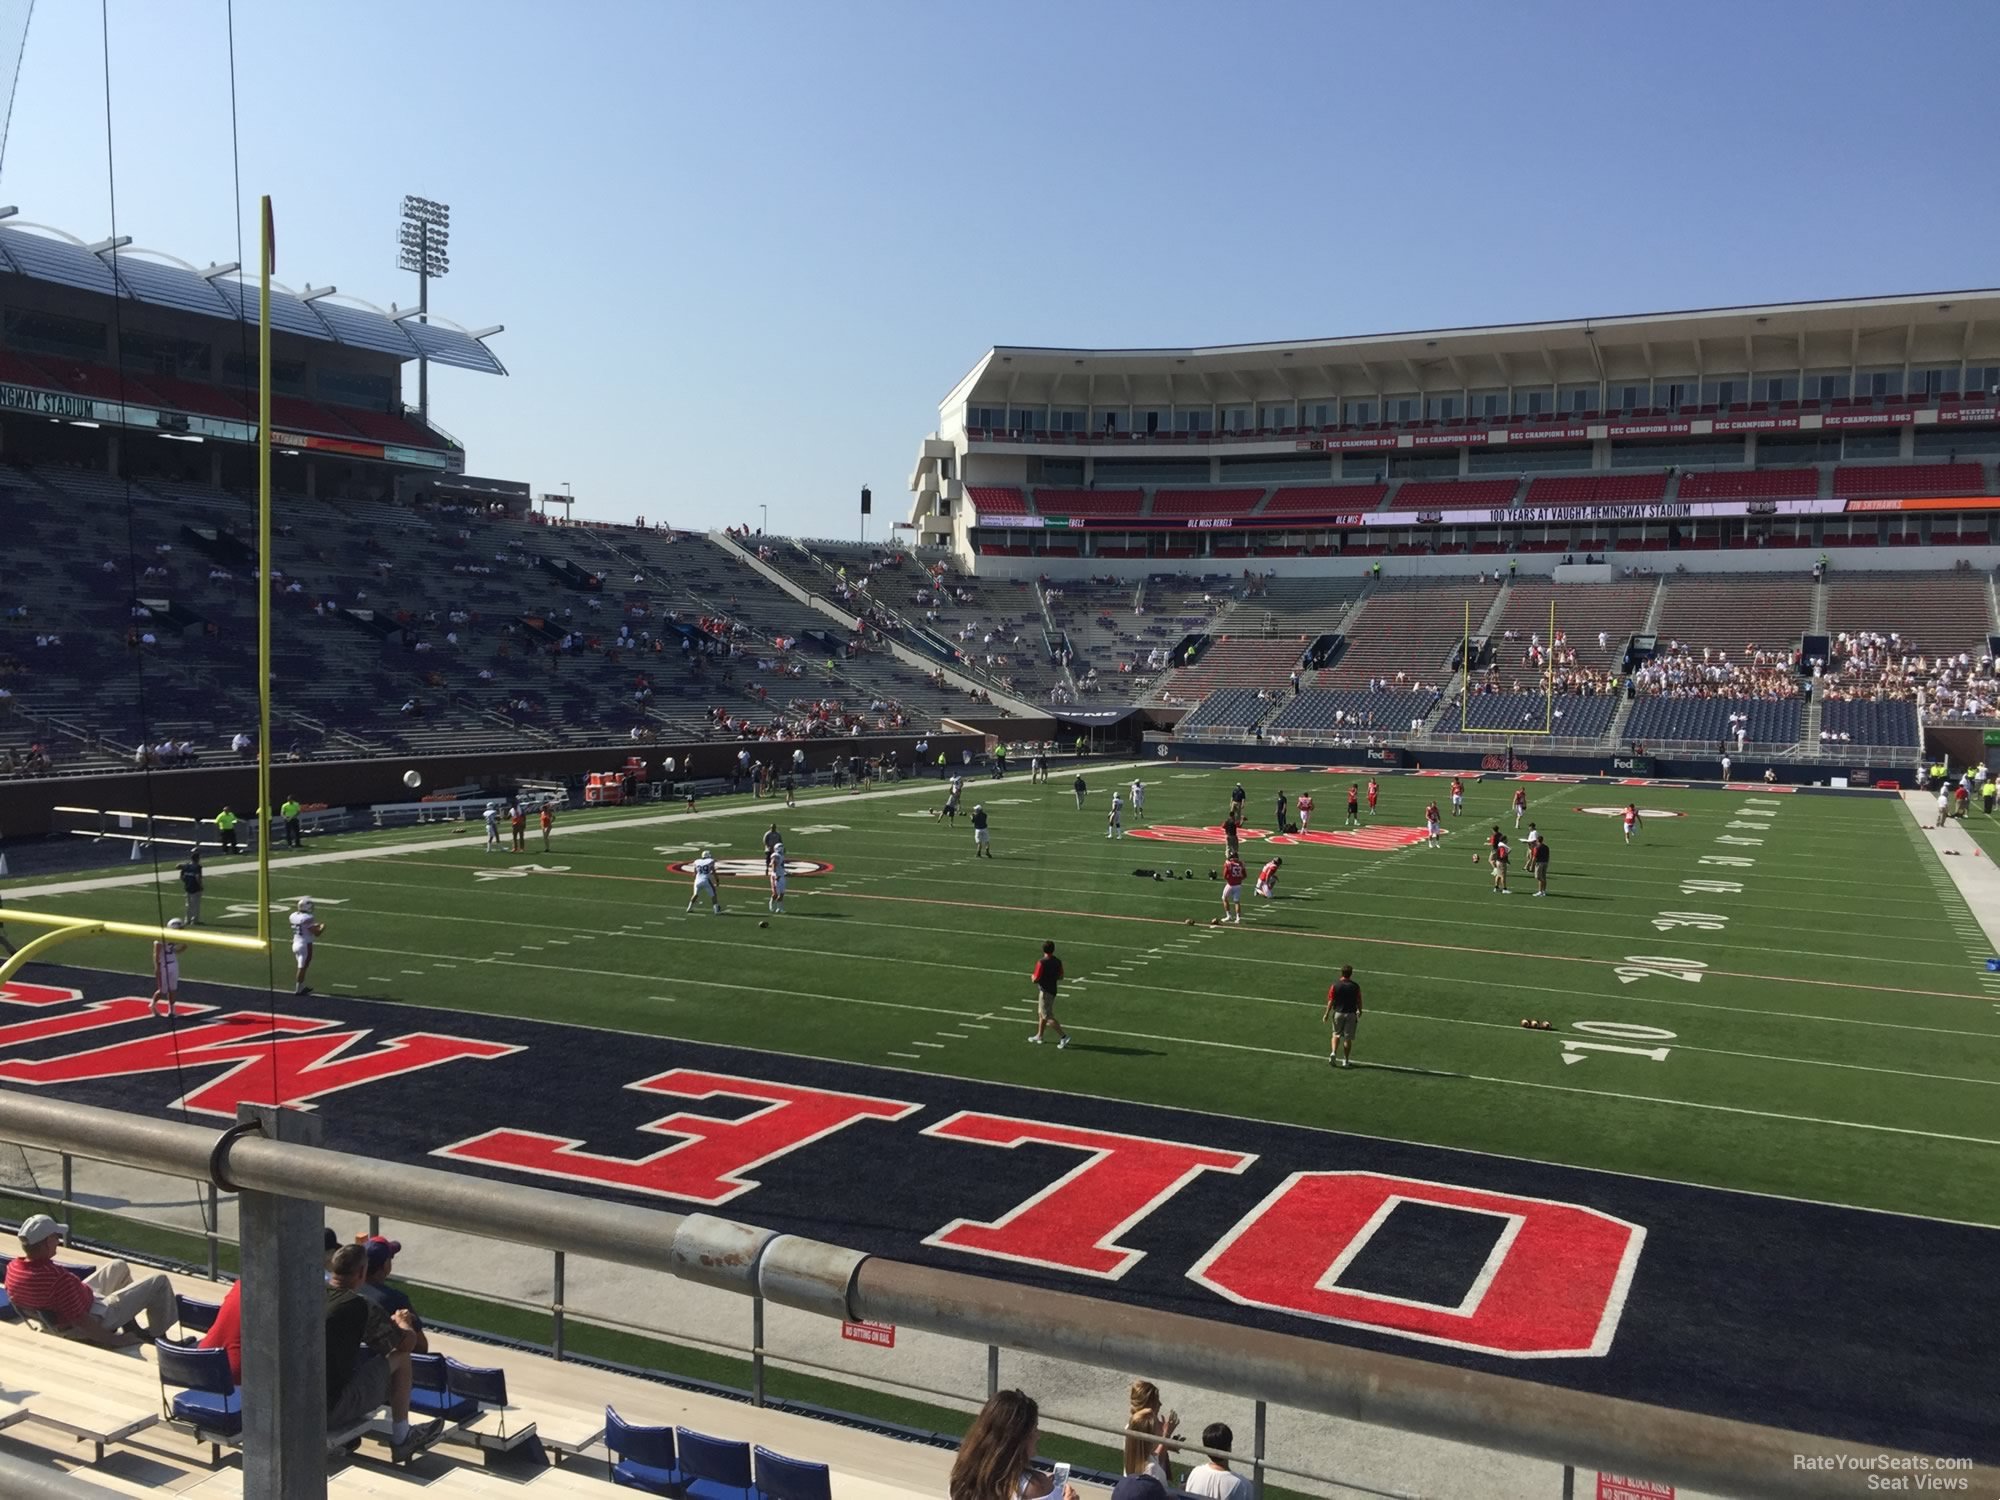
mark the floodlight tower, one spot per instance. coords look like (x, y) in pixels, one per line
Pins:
(425, 239)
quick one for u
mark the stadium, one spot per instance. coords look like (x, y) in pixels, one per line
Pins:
(756, 1000)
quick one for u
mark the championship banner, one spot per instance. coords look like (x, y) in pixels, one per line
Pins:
(1754, 424)
(1898, 418)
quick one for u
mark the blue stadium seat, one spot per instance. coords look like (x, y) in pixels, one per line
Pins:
(1575, 718)
(712, 1467)
(1872, 723)
(193, 1316)
(198, 1392)
(642, 1458)
(1706, 720)
(431, 1393)
(1360, 712)
(781, 1478)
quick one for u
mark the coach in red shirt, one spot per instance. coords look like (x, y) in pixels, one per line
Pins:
(98, 1308)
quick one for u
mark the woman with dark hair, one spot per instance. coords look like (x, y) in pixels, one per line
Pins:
(995, 1460)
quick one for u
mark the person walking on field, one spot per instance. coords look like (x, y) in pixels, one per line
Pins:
(548, 824)
(1343, 1009)
(1048, 975)
(192, 885)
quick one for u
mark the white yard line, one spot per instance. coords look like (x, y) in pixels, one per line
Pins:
(472, 841)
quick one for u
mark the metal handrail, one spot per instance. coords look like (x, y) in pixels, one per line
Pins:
(1545, 1422)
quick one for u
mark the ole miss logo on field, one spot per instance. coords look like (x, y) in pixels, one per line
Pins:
(753, 869)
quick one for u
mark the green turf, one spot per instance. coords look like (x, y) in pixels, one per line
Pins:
(1836, 1047)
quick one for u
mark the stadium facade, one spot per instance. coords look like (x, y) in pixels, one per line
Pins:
(1861, 422)
(122, 360)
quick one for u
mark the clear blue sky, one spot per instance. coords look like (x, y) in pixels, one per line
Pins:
(742, 250)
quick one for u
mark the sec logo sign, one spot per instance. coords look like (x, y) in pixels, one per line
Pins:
(1619, 812)
(753, 869)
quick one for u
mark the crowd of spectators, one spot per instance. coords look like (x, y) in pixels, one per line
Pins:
(1680, 671)
(1881, 667)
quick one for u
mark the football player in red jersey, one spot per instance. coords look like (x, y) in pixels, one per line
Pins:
(1457, 796)
(1431, 825)
(1520, 805)
(1267, 879)
(1232, 890)
(1372, 789)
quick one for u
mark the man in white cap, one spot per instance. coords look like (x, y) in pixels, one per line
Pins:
(98, 1308)
(305, 929)
(167, 971)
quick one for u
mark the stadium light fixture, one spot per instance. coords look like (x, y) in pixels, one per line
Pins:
(9, 211)
(314, 293)
(221, 269)
(116, 242)
(423, 240)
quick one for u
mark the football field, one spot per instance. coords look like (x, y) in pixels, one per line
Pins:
(1769, 1076)
(1761, 990)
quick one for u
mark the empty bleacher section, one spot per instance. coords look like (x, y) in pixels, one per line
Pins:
(1323, 713)
(1408, 633)
(1750, 484)
(1910, 479)
(1050, 502)
(995, 500)
(1582, 610)
(1324, 499)
(1119, 648)
(1727, 614)
(1930, 613)
(1572, 718)
(1709, 722)
(1873, 724)
(1205, 502)
(1229, 708)
(1235, 661)
(1597, 489)
(1455, 494)
(1304, 607)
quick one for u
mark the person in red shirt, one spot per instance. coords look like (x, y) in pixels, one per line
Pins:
(519, 819)
(226, 1332)
(1267, 879)
(1520, 805)
(548, 825)
(1371, 795)
(1457, 796)
(1305, 811)
(99, 1309)
(1232, 890)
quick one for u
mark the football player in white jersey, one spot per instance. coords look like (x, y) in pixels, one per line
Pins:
(777, 901)
(1114, 827)
(704, 880)
(1138, 797)
(306, 929)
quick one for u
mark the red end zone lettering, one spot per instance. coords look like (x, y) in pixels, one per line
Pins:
(272, 1062)
(1074, 1223)
(1553, 1287)
(14, 992)
(98, 1013)
(707, 1163)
